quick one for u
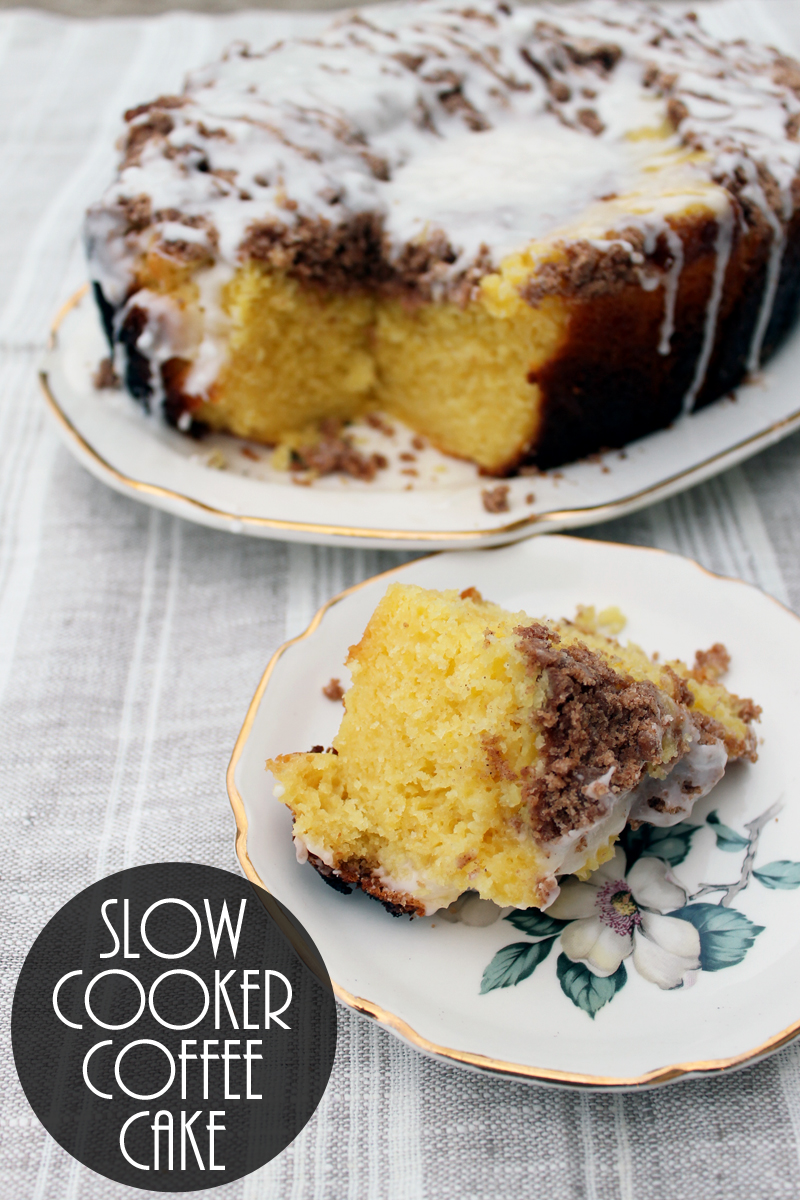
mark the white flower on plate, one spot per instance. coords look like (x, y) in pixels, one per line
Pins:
(616, 913)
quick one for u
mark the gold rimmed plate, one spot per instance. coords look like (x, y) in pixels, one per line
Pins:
(505, 998)
(427, 502)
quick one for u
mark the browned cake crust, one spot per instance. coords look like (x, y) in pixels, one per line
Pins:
(606, 387)
(348, 875)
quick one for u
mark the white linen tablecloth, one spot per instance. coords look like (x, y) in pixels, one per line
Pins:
(130, 646)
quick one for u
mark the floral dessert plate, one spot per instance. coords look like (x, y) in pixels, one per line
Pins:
(422, 499)
(698, 967)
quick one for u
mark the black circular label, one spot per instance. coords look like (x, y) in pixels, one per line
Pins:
(174, 1027)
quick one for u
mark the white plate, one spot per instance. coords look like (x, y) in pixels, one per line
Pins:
(141, 457)
(422, 978)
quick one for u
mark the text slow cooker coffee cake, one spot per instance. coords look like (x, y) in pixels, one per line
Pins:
(526, 233)
(485, 750)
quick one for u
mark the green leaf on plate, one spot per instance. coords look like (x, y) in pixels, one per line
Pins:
(727, 839)
(672, 843)
(514, 963)
(633, 841)
(783, 874)
(725, 934)
(535, 923)
(585, 990)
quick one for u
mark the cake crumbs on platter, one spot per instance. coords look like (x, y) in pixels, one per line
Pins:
(105, 376)
(376, 421)
(333, 689)
(495, 500)
(712, 663)
(598, 459)
(530, 498)
(609, 621)
(335, 452)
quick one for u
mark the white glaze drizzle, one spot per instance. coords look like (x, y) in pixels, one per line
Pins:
(672, 279)
(599, 787)
(774, 262)
(722, 251)
(692, 777)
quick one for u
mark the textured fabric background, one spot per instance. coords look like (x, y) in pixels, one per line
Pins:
(130, 646)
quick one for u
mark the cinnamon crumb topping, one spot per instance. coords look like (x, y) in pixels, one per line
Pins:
(137, 212)
(787, 74)
(711, 664)
(162, 102)
(591, 52)
(746, 709)
(497, 767)
(595, 721)
(676, 111)
(586, 270)
(590, 120)
(676, 687)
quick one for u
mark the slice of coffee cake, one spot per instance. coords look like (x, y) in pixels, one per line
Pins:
(482, 749)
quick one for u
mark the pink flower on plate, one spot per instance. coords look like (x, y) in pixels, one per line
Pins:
(617, 913)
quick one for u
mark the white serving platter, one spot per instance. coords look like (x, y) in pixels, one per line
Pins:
(439, 507)
(735, 863)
